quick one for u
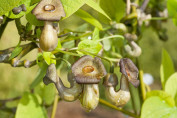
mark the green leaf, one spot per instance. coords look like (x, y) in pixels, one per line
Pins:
(48, 58)
(40, 75)
(155, 107)
(29, 107)
(88, 18)
(32, 20)
(166, 68)
(71, 6)
(106, 44)
(28, 8)
(170, 86)
(7, 5)
(15, 52)
(172, 8)
(163, 95)
(90, 46)
(115, 9)
(34, 1)
(47, 93)
(96, 35)
(96, 6)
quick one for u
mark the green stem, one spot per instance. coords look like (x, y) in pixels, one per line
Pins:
(109, 37)
(68, 64)
(54, 106)
(143, 89)
(65, 52)
(70, 38)
(157, 18)
(132, 99)
(117, 108)
(19, 26)
(106, 59)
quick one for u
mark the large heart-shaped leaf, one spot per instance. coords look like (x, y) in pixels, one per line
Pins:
(166, 68)
(71, 6)
(163, 95)
(90, 19)
(28, 9)
(170, 86)
(7, 5)
(46, 92)
(155, 107)
(172, 10)
(29, 107)
(90, 46)
(114, 8)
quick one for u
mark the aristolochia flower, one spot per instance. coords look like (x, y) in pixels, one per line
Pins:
(88, 70)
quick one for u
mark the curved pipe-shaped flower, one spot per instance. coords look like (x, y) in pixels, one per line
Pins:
(90, 96)
(88, 70)
(120, 97)
(67, 94)
(49, 11)
(129, 74)
(133, 50)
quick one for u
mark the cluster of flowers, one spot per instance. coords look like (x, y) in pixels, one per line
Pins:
(84, 77)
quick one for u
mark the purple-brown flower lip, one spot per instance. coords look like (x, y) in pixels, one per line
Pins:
(88, 70)
(130, 71)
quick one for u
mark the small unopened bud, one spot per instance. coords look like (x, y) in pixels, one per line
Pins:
(23, 7)
(122, 29)
(16, 10)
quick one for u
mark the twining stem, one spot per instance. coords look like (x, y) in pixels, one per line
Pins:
(157, 18)
(19, 26)
(117, 108)
(70, 38)
(132, 99)
(106, 59)
(113, 36)
(68, 64)
(55, 105)
(148, 89)
(66, 52)
(142, 85)
(144, 5)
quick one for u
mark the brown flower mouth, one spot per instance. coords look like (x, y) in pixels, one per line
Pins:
(88, 69)
(49, 8)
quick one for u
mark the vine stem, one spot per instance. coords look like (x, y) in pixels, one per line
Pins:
(132, 99)
(117, 108)
(144, 5)
(114, 36)
(66, 52)
(142, 85)
(55, 105)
